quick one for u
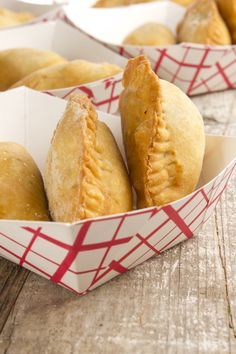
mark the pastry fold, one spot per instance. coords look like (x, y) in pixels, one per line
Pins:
(22, 195)
(85, 176)
(10, 18)
(73, 73)
(203, 24)
(19, 62)
(151, 33)
(163, 134)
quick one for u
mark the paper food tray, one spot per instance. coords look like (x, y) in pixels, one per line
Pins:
(195, 68)
(72, 44)
(86, 254)
(42, 11)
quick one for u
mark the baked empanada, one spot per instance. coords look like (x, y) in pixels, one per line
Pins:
(163, 134)
(202, 23)
(19, 62)
(85, 175)
(74, 73)
(228, 11)
(116, 3)
(10, 18)
(22, 195)
(151, 33)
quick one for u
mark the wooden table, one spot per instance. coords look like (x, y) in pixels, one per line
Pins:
(183, 301)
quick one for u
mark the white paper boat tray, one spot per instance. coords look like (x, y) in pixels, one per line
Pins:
(195, 68)
(69, 42)
(42, 12)
(86, 254)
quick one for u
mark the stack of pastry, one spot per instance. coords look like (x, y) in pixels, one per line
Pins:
(85, 175)
(45, 70)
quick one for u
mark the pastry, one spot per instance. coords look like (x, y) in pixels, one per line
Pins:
(184, 2)
(115, 3)
(151, 33)
(22, 195)
(74, 73)
(202, 23)
(19, 62)
(228, 11)
(10, 18)
(85, 176)
(163, 134)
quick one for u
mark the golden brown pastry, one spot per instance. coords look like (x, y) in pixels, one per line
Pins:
(22, 195)
(202, 23)
(151, 33)
(115, 3)
(163, 134)
(74, 73)
(85, 175)
(10, 18)
(184, 2)
(228, 11)
(19, 62)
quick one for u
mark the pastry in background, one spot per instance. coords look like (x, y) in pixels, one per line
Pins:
(85, 175)
(115, 3)
(19, 62)
(163, 135)
(151, 33)
(228, 11)
(22, 195)
(73, 73)
(184, 2)
(203, 23)
(10, 18)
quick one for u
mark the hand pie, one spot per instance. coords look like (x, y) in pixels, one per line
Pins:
(151, 33)
(202, 23)
(17, 63)
(228, 11)
(163, 134)
(85, 175)
(116, 3)
(9, 18)
(74, 73)
(22, 195)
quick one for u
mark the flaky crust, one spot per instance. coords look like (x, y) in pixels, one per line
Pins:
(203, 23)
(228, 11)
(74, 73)
(115, 3)
(10, 18)
(163, 135)
(19, 62)
(151, 33)
(22, 195)
(85, 175)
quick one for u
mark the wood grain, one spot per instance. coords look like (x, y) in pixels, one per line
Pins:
(183, 301)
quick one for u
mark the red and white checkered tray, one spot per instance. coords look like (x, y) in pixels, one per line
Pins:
(86, 254)
(42, 12)
(72, 44)
(194, 68)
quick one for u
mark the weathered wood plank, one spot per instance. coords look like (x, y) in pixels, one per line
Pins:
(183, 301)
(12, 279)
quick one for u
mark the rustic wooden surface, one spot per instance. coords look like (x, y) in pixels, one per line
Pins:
(183, 301)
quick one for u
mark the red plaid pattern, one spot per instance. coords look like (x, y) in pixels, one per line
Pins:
(194, 68)
(83, 256)
(104, 94)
